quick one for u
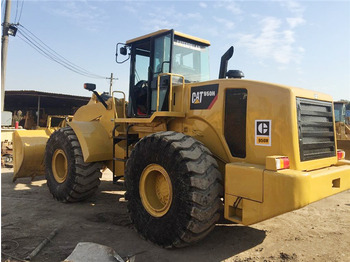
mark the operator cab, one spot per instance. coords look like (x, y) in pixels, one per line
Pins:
(164, 51)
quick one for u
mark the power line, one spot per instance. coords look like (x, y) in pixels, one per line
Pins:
(33, 41)
(56, 54)
(45, 50)
(50, 56)
(43, 53)
(16, 11)
(20, 14)
(2, 8)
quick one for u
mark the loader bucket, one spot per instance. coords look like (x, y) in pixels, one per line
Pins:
(28, 152)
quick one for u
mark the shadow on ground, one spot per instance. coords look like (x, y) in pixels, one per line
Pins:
(29, 214)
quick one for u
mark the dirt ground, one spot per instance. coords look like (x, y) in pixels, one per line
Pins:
(318, 232)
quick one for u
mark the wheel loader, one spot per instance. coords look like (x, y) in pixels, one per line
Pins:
(187, 146)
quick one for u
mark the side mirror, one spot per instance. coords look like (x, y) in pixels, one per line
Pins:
(90, 87)
(123, 50)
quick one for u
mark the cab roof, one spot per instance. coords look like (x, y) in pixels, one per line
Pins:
(162, 31)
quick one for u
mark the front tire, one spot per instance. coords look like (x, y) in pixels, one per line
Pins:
(68, 177)
(173, 189)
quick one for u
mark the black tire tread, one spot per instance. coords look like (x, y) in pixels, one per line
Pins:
(204, 183)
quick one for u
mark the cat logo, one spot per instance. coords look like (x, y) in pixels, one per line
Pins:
(197, 96)
(203, 97)
(263, 132)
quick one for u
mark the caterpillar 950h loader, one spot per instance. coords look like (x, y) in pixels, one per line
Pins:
(186, 143)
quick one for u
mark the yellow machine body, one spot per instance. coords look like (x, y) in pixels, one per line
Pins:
(254, 188)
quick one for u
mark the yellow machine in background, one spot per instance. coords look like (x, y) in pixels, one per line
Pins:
(185, 142)
(342, 128)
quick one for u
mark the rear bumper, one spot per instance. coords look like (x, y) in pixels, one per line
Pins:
(253, 194)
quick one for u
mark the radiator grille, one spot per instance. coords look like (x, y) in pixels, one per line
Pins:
(316, 133)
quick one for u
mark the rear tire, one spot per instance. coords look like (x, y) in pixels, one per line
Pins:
(68, 177)
(173, 189)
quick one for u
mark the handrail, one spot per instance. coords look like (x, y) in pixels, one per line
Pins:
(171, 89)
(114, 105)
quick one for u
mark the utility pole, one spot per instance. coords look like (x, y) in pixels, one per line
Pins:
(110, 84)
(4, 45)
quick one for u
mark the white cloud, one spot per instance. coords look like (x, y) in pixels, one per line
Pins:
(172, 18)
(203, 5)
(225, 22)
(82, 13)
(134, 7)
(229, 5)
(294, 7)
(196, 16)
(295, 21)
(272, 42)
(276, 37)
(209, 30)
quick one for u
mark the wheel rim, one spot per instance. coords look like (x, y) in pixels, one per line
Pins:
(156, 190)
(59, 166)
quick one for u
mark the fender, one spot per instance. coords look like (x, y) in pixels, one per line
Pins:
(95, 142)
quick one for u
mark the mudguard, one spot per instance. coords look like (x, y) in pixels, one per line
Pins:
(94, 140)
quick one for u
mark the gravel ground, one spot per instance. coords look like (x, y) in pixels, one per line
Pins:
(318, 232)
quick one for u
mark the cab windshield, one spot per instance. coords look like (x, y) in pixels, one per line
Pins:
(190, 60)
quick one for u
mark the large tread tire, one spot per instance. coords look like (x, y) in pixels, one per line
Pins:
(196, 184)
(82, 179)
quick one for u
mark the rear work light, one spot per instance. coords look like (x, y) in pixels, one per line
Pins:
(282, 163)
(340, 154)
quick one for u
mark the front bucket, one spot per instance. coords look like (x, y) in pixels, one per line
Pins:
(28, 152)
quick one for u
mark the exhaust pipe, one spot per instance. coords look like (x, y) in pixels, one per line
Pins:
(224, 61)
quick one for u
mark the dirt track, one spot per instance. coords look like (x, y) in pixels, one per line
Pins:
(318, 232)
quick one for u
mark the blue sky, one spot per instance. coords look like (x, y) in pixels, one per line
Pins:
(298, 43)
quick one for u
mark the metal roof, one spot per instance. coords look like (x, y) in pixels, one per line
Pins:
(193, 38)
(25, 99)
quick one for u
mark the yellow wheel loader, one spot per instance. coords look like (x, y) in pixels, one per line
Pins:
(185, 143)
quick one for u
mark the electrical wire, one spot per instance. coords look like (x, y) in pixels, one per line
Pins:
(45, 50)
(33, 41)
(20, 14)
(50, 57)
(56, 54)
(2, 8)
(16, 10)
(43, 53)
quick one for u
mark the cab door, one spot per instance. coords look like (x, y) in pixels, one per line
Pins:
(160, 63)
(149, 58)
